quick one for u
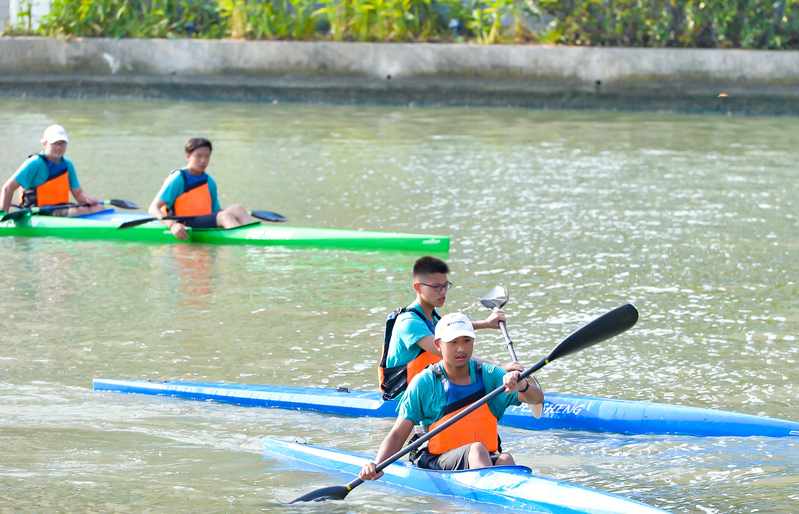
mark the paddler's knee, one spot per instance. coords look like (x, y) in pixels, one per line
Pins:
(237, 210)
(479, 456)
(504, 459)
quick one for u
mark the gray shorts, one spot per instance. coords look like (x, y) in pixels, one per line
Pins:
(457, 459)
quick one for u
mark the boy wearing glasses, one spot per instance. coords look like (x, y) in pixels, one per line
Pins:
(411, 346)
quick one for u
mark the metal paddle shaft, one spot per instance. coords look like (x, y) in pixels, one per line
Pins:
(264, 215)
(495, 300)
(606, 326)
(124, 204)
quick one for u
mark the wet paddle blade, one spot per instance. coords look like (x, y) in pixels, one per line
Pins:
(496, 298)
(135, 223)
(337, 492)
(269, 216)
(604, 327)
(123, 204)
(16, 215)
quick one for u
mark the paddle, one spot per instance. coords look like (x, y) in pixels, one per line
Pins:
(606, 326)
(124, 204)
(495, 300)
(264, 215)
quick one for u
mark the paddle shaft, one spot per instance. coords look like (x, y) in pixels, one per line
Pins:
(504, 328)
(36, 210)
(49, 208)
(260, 214)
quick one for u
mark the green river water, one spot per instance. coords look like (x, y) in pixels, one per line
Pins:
(691, 218)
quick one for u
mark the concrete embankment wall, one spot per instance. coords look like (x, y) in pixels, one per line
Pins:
(738, 81)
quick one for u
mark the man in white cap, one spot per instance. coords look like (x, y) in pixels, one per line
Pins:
(444, 389)
(47, 178)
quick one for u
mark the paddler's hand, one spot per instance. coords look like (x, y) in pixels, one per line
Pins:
(179, 230)
(368, 472)
(92, 200)
(512, 383)
(512, 366)
(492, 321)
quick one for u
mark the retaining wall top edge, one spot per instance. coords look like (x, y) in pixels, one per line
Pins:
(395, 60)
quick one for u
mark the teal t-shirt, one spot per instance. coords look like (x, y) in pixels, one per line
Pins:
(173, 187)
(34, 172)
(409, 328)
(424, 401)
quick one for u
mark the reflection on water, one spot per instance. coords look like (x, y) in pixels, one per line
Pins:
(691, 218)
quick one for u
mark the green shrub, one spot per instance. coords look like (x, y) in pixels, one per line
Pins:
(630, 23)
(674, 23)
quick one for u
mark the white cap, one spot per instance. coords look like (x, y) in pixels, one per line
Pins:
(453, 326)
(55, 133)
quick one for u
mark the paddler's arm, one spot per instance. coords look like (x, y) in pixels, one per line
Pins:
(391, 444)
(529, 392)
(427, 344)
(82, 197)
(178, 229)
(492, 321)
(7, 193)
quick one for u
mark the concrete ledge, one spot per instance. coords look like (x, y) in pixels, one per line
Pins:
(531, 76)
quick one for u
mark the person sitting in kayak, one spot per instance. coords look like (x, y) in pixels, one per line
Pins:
(444, 389)
(191, 192)
(409, 347)
(47, 178)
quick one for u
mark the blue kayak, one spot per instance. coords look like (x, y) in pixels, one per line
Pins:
(561, 411)
(506, 486)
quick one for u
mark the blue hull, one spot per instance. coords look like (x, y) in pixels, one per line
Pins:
(505, 486)
(561, 412)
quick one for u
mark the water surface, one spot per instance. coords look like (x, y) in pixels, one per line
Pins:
(691, 218)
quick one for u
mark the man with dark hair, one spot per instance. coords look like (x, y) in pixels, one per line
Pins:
(191, 192)
(411, 345)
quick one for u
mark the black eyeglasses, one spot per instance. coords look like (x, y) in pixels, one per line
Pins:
(438, 287)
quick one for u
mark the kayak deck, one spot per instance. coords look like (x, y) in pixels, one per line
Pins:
(506, 486)
(104, 225)
(560, 412)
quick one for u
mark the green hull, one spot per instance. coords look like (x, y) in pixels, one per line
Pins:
(104, 226)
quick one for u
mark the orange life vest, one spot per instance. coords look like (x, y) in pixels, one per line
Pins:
(478, 427)
(194, 201)
(395, 380)
(54, 191)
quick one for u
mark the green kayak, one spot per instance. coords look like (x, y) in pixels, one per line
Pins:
(104, 225)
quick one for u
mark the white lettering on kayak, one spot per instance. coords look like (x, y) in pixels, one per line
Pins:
(270, 234)
(431, 241)
(556, 409)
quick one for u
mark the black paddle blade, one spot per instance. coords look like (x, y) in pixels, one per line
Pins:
(16, 215)
(135, 223)
(269, 216)
(123, 204)
(496, 298)
(604, 327)
(336, 492)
